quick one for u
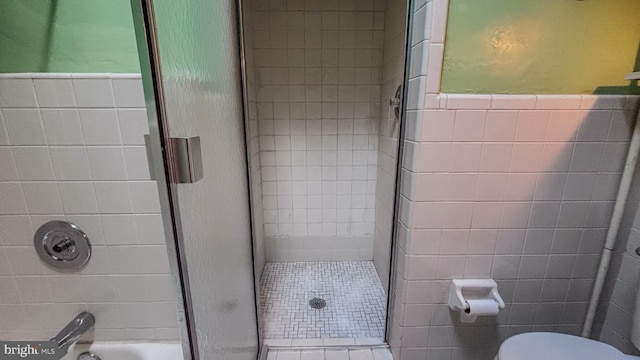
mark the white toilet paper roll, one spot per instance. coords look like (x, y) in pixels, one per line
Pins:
(482, 307)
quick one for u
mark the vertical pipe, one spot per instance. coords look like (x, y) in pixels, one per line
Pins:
(614, 227)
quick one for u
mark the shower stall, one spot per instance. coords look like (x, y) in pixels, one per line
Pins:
(323, 144)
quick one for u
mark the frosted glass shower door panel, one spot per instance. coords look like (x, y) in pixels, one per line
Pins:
(196, 51)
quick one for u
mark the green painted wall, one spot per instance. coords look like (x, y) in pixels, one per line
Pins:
(541, 46)
(67, 36)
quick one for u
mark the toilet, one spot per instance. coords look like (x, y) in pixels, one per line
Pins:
(556, 346)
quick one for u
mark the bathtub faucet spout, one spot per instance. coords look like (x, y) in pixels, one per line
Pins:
(72, 332)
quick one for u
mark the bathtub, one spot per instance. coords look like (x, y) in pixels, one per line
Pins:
(128, 351)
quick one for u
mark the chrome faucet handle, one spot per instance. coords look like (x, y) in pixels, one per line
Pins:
(396, 102)
(74, 329)
(63, 245)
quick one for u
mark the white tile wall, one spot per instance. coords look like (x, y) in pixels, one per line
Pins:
(517, 188)
(318, 91)
(617, 308)
(71, 147)
(528, 210)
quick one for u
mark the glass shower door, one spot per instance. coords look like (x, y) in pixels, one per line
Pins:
(191, 70)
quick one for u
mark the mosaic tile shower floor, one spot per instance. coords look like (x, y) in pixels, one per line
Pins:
(355, 300)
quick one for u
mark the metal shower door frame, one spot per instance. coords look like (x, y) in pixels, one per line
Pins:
(164, 167)
(402, 105)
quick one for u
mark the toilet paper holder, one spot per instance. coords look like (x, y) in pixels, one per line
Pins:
(472, 289)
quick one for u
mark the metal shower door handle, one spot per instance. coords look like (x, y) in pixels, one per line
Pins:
(186, 158)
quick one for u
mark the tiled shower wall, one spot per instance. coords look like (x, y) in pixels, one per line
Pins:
(618, 302)
(318, 76)
(515, 188)
(392, 76)
(71, 148)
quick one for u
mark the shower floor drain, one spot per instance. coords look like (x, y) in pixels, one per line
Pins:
(317, 303)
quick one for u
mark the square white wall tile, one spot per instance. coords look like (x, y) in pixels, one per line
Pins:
(145, 197)
(15, 230)
(34, 163)
(100, 127)
(62, 126)
(55, 93)
(17, 93)
(128, 93)
(42, 197)
(107, 163)
(114, 197)
(24, 126)
(94, 93)
(78, 198)
(150, 229)
(137, 164)
(70, 163)
(133, 126)
(119, 229)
